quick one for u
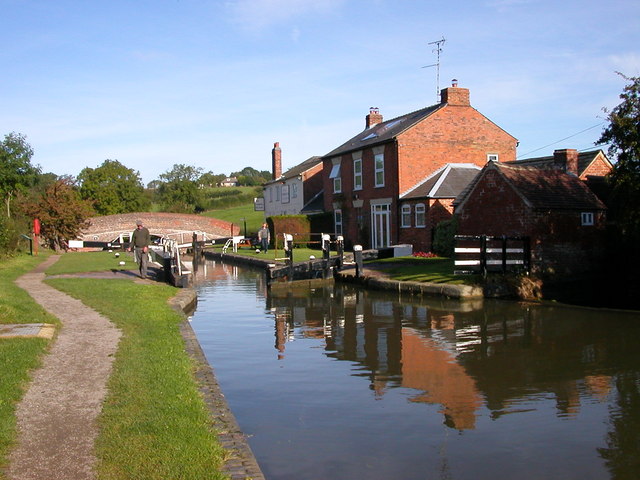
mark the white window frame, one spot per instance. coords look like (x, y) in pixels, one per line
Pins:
(337, 180)
(285, 194)
(378, 164)
(587, 219)
(493, 157)
(405, 216)
(357, 174)
(278, 193)
(294, 190)
(337, 221)
(420, 215)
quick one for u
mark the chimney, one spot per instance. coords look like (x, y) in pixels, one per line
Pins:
(455, 95)
(276, 161)
(566, 160)
(373, 118)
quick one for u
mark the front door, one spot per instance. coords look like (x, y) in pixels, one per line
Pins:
(380, 220)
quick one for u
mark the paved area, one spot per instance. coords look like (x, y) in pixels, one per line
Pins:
(57, 416)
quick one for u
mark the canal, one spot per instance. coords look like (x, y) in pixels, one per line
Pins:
(342, 383)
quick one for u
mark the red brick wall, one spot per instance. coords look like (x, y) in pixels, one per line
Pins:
(599, 167)
(437, 210)
(312, 179)
(559, 243)
(453, 134)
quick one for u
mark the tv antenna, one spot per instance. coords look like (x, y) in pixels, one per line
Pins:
(437, 50)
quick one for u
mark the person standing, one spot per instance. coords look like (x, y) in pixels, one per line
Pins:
(264, 236)
(140, 245)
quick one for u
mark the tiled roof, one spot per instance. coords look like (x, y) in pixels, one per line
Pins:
(315, 205)
(584, 160)
(446, 182)
(384, 131)
(298, 169)
(545, 189)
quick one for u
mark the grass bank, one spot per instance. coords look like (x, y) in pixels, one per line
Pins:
(238, 216)
(420, 269)
(154, 424)
(18, 356)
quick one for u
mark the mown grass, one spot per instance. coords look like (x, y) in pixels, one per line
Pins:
(80, 262)
(418, 269)
(18, 356)
(299, 254)
(154, 424)
(235, 215)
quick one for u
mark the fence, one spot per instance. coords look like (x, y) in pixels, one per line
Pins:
(483, 253)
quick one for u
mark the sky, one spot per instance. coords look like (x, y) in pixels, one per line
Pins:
(213, 84)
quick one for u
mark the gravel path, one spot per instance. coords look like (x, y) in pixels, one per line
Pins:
(57, 416)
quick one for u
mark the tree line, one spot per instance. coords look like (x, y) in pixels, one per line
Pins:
(64, 203)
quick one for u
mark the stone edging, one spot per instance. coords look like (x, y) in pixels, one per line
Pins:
(241, 464)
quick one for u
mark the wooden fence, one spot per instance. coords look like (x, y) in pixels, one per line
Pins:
(483, 253)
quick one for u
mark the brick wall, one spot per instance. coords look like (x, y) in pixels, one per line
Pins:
(599, 167)
(106, 228)
(559, 243)
(421, 238)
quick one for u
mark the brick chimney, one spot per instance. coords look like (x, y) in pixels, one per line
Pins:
(373, 118)
(455, 95)
(566, 160)
(276, 161)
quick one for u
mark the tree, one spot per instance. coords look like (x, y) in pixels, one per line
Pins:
(62, 213)
(623, 135)
(113, 188)
(16, 171)
(179, 190)
(249, 176)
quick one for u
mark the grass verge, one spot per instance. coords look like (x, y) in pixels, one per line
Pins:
(18, 356)
(79, 262)
(236, 215)
(418, 269)
(154, 424)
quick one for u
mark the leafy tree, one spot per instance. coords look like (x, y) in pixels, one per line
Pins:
(179, 190)
(623, 135)
(210, 179)
(16, 171)
(113, 188)
(62, 213)
(249, 176)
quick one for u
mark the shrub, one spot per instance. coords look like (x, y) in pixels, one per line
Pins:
(444, 239)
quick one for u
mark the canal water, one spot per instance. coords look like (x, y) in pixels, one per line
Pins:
(342, 383)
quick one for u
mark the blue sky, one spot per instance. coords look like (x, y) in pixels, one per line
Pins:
(214, 84)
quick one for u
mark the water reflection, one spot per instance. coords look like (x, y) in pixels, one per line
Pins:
(543, 386)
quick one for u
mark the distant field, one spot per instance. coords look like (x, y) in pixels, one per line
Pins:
(236, 215)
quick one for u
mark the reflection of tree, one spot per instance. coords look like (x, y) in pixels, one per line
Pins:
(622, 456)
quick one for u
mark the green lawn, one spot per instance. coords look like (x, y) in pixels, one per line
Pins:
(79, 262)
(236, 215)
(418, 269)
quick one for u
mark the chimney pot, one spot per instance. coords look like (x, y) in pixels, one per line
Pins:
(373, 118)
(454, 82)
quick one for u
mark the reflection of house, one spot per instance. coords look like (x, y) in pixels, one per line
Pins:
(298, 190)
(365, 177)
(430, 202)
(436, 372)
(562, 217)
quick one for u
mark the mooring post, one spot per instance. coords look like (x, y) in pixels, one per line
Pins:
(288, 250)
(357, 257)
(340, 248)
(326, 250)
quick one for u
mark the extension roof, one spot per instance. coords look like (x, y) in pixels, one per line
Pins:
(584, 160)
(446, 182)
(384, 131)
(540, 188)
(299, 169)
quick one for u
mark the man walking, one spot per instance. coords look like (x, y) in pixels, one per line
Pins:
(264, 236)
(140, 244)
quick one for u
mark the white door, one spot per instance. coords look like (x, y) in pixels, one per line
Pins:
(380, 220)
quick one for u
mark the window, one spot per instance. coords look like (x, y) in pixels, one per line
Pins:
(277, 193)
(270, 194)
(357, 174)
(294, 190)
(285, 194)
(492, 157)
(379, 169)
(337, 219)
(337, 181)
(587, 218)
(420, 217)
(405, 218)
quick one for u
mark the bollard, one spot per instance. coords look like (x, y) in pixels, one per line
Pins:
(326, 246)
(357, 256)
(340, 248)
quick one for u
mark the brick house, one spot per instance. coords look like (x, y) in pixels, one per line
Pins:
(431, 202)
(583, 164)
(298, 190)
(365, 177)
(563, 218)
